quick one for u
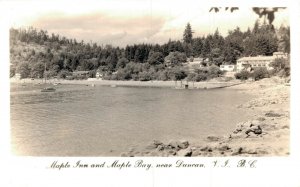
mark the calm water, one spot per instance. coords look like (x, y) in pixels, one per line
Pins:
(79, 120)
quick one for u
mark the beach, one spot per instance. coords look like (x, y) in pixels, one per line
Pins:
(267, 133)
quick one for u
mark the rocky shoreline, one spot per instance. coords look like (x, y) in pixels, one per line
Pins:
(266, 134)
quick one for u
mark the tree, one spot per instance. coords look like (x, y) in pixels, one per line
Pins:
(197, 46)
(37, 70)
(284, 39)
(23, 69)
(278, 64)
(260, 44)
(188, 34)
(122, 62)
(138, 56)
(206, 49)
(178, 73)
(112, 61)
(155, 58)
(217, 40)
(233, 45)
(214, 71)
(216, 56)
(175, 58)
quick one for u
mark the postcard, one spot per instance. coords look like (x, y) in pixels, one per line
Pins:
(149, 93)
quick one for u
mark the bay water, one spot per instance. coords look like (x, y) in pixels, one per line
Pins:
(80, 120)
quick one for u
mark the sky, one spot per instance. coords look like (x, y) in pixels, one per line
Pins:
(123, 22)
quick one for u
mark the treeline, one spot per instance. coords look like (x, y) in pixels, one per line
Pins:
(62, 56)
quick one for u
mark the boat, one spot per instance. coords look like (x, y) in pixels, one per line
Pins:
(47, 89)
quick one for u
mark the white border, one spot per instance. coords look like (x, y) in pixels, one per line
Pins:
(29, 171)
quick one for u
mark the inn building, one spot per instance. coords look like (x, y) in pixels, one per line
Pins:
(247, 63)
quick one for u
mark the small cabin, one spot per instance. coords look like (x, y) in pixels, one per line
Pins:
(227, 67)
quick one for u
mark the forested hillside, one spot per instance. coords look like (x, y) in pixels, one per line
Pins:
(31, 50)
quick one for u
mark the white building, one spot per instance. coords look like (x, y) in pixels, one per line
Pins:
(227, 67)
(246, 63)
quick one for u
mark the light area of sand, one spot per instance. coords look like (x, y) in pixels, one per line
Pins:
(271, 94)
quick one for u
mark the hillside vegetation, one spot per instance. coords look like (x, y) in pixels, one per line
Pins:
(32, 50)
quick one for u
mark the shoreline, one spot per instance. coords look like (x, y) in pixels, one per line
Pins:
(211, 84)
(265, 134)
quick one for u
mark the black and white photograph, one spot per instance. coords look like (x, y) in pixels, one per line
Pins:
(148, 79)
(105, 83)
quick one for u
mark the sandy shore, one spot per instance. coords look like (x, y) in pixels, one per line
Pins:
(265, 134)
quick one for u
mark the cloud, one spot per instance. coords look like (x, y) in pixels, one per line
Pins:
(103, 28)
(151, 22)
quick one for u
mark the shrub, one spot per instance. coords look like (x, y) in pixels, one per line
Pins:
(177, 73)
(163, 75)
(175, 58)
(243, 75)
(260, 73)
(278, 64)
(272, 72)
(191, 77)
(144, 76)
(282, 73)
(122, 74)
(214, 71)
(201, 77)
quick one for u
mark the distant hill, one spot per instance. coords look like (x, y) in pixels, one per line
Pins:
(31, 50)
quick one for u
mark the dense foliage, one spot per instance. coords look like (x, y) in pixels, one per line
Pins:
(32, 50)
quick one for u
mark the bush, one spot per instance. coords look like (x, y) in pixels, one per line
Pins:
(243, 75)
(272, 72)
(201, 77)
(163, 75)
(214, 71)
(144, 76)
(260, 73)
(175, 58)
(191, 77)
(278, 64)
(122, 74)
(177, 73)
(282, 73)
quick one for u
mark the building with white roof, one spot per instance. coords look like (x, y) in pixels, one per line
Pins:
(247, 63)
